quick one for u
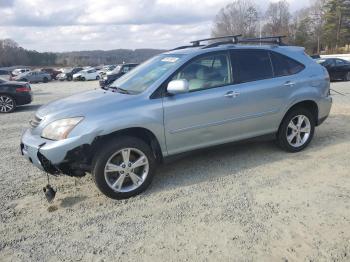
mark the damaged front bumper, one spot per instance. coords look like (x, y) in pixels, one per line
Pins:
(54, 156)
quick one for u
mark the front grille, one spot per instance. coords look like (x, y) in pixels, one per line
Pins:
(35, 122)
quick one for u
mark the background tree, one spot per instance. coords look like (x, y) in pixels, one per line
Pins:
(336, 29)
(278, 18)
(239, 17)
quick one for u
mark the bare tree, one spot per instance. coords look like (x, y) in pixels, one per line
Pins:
(239, 17)
(277, 18)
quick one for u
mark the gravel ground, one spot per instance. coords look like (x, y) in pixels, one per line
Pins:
(248, 202)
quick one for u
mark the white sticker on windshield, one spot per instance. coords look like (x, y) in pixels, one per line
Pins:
(170, 59)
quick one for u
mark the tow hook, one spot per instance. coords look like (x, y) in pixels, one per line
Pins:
(49, 192)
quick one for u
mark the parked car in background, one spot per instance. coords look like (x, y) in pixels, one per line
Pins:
(68, 73)
(106, 69)
(315, 56)
(119, 70)
(87, 74)
(190, 98)
(18, 71)
(33, 77)
(4, 72)
(13, 94)
(338, 69)
(51, 71)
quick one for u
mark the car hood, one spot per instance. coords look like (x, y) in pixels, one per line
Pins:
(85, 104)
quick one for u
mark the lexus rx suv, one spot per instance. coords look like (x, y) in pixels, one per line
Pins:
(189, 98)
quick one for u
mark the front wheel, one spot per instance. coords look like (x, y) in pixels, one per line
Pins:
(296, 130)
(45, 80)
(123, 167)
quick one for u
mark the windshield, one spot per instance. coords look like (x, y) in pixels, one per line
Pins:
(144, 75)
(67, 70)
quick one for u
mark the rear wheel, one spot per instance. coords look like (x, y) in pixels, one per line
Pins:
(97, 77)
(347, 76)
(69, 78)
(7, 104)
(123, 167)
(296, 130)
(45, 80)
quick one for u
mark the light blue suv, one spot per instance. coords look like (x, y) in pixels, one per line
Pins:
(189, 98)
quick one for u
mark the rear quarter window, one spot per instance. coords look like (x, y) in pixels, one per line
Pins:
(284, 66)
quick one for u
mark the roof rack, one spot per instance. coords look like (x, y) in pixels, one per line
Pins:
(234, 39)
(265, 40)
(197, 43)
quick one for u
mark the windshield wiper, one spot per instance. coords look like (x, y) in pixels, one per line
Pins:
(120, 90)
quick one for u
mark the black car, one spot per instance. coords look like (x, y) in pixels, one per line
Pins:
(68, 73)
(338, 69)
(13, 94)
(116, 73)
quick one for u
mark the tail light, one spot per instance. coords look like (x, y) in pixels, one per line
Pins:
(23, 89)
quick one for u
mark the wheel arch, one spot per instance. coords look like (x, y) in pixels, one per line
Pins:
(309, 105)
(140, 132)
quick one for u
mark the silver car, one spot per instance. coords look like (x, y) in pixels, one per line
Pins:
(190, 98)
(33, 77)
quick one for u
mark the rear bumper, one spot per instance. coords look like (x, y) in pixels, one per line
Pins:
(23, 98)
(324, 108)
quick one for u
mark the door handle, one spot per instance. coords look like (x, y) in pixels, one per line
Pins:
(231, 94)
(289, 83)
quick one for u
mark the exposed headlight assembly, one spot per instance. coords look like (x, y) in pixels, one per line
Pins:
(60, 129)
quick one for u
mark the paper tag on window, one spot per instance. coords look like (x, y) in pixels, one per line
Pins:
(170, 59)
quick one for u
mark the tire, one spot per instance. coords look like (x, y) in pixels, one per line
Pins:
(97, 78)
(45, 80)
(69, 78)
(25, 80)
(7, 104)
(82, 79)
(114, 150)
(286, 131)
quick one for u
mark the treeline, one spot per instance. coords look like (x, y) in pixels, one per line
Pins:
(324, 26)
(12, 54)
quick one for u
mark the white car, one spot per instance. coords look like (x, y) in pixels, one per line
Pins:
(87, 74)
(19, 71)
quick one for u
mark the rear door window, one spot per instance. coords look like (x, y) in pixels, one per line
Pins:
(251, 65)
(284, 66)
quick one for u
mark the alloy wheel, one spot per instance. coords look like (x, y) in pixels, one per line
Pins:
(298, 131)
(126, 170)
(6, 104)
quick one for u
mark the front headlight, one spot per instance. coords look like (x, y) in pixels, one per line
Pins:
(60, 129)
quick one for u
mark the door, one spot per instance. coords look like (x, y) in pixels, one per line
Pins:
(202, 116)
(342, 67)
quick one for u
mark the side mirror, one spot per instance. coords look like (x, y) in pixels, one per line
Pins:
(178, 86)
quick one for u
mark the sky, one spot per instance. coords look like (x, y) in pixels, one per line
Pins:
(71, 25)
